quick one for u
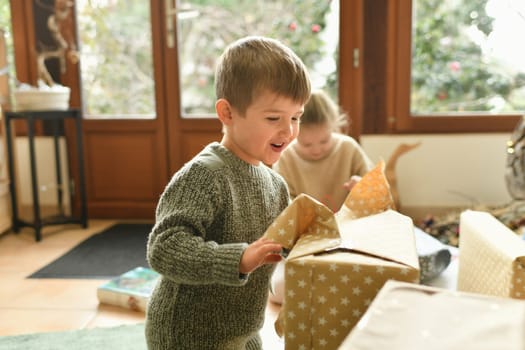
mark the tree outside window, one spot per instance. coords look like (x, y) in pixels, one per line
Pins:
(465, 57)
(206, 27)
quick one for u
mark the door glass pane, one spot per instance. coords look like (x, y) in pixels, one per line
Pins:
(464, 57)
(7, 63)
(206, 27)
(116, 58)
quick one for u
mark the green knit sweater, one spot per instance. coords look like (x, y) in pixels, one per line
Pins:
(211, 209)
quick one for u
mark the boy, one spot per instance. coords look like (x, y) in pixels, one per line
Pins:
(206, 240)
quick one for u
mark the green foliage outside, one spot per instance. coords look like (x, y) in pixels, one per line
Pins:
(450, 72)
(116, 59)
(297, 23)
(117, 66)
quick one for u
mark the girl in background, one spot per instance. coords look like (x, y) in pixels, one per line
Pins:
(322, 162)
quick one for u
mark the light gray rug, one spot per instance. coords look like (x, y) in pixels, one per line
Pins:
(129, 337)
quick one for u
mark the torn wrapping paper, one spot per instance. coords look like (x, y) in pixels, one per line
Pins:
(434, 257)
(491, 258)
(338, 263)
(305, 216)
(408, 316)
(369, 196)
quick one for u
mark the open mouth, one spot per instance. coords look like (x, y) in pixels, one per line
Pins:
(278, 146)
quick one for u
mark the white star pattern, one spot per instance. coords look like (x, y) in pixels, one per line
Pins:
(356, 290)
(344, 279)
(345, 301)
(334, 332)
(282, 232)
(302, 305)
(368, 280)
(301, 283)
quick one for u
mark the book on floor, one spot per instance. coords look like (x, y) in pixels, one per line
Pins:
(130, 290)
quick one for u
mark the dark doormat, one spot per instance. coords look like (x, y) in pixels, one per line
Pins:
(107, 254)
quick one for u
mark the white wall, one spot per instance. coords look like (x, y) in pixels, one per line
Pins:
(45, 165)
(452, 170)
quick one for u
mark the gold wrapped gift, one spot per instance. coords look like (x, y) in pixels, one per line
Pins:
(491, 257)
(327, 291)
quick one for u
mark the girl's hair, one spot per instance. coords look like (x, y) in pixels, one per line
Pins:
(321, 109)
(254, 64)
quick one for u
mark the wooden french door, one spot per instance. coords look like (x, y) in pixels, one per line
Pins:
(128, 162)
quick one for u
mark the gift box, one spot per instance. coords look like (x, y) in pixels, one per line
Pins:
(491, 257)
(408, 316)
(337, 263)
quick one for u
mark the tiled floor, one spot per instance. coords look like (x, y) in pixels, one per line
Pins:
(45, 305)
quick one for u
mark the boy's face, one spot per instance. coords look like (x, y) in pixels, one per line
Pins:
(315, 141)
(270, 123)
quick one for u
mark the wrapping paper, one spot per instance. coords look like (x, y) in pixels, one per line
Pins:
(408, 316)
(338, 263)
(434, 256)
(491, 258)
(369, 196)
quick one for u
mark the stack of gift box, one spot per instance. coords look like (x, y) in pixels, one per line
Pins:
(346, 276)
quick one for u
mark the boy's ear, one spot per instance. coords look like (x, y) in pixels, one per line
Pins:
(224, 111)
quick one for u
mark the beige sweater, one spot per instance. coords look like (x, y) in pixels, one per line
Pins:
(323, 179)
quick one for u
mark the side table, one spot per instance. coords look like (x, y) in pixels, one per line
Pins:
(55, 117)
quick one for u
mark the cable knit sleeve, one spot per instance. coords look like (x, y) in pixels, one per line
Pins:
(185, 244)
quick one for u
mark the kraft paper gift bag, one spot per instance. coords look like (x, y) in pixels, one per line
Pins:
(406, 316)
(491, 257)
(336, 266)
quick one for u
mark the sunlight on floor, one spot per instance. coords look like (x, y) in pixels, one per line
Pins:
(46, 305)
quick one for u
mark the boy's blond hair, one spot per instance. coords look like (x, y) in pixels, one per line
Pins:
(254, 64)
(321, 109)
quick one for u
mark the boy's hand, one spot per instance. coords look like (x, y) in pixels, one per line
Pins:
(262, 251)
(352, 182)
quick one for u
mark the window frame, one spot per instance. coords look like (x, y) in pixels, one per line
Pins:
(399, 117)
